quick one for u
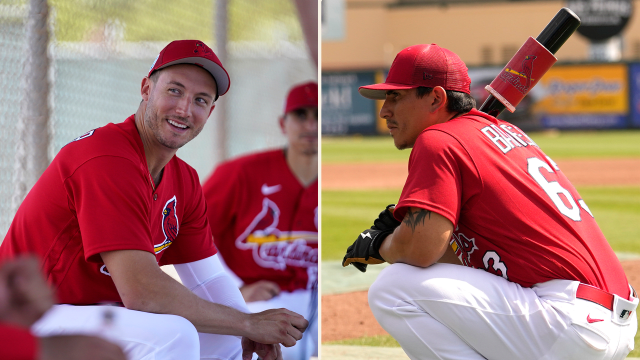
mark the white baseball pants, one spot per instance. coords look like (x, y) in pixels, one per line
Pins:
(147, 336)
(141, 335)
(450, 311)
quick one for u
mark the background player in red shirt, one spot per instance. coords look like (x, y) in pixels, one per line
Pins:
(116, 203)
(539, 279)
(263, 212)
(24, 298)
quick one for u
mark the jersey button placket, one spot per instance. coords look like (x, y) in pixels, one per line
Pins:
(155, 197)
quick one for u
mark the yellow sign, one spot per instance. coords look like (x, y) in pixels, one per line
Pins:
(583, 89)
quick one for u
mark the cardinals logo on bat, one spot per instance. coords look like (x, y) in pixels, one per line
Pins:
(170, 225)
(515, 77)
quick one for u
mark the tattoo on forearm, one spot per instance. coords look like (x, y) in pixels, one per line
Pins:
(412, 218)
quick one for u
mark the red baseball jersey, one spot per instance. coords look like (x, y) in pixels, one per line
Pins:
(264, 222)
(96, 196)
(515, 214)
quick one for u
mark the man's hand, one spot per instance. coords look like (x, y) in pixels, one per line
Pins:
(25, 295)
(78, 347)
(385, 220)
(260, 291)
(275, 326)
(365, 250)
(264, 351)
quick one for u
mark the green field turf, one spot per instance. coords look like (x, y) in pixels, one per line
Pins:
(380, 340)
(346, 213)
(580, 144)
(388, 341)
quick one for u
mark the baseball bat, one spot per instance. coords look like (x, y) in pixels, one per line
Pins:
(501, 91)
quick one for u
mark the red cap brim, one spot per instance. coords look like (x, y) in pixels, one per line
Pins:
(378, 91)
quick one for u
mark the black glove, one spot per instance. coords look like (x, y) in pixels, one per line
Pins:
(366, 249)
(385, 220)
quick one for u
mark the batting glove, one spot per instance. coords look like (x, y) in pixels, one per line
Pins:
(366, 249)
(385, 220)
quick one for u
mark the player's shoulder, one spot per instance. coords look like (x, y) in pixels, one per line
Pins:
(183, 169)
(462, 128)
(109, 140)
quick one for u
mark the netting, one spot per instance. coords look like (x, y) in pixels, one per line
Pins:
(99, 51)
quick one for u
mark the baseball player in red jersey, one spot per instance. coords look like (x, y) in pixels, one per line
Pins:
(265, 221)
(116, 203)
(539, 279)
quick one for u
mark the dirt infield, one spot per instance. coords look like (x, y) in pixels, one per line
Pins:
(347, 316)
(617, 172)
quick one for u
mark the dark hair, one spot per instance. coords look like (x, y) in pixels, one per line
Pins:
(457, 102)
(154, 76)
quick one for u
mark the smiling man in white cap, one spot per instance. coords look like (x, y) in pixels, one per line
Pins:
(116, 203)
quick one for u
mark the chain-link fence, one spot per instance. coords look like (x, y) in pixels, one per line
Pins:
(98, 53)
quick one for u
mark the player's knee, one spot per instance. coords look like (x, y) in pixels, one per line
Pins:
(381, 292)
(178, 332)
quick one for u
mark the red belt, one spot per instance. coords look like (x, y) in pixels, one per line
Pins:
(593, 294)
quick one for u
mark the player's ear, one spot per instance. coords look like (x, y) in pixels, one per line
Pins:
(145, 88)
(281, 121)
(439, 99)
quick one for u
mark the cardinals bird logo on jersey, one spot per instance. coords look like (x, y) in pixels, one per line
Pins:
(276, 249)
(170, 225)
(463, 247)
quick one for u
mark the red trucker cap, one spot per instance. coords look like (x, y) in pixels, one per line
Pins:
(197, 53)
(422, 65)
(302, 95)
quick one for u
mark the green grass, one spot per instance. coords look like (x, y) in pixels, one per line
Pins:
(589, 144)
(361, 149)
(388, 341)
(636, 349)
(565, 144)
(378, 340)
(617, 212)
(346, 213)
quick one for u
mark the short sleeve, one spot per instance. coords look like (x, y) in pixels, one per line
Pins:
(194, 241)
(111, 198)
(434, 182)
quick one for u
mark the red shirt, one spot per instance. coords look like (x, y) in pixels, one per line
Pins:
(515, 214)
(97, 196)
(17, 343)
(264, 222)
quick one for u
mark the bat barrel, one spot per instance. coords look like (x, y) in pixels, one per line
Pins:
(559, 29)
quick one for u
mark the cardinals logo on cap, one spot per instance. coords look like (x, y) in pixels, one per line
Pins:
(170, 225)
(201, 47)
